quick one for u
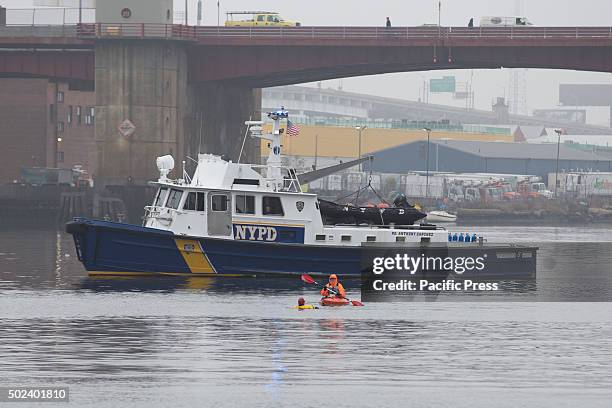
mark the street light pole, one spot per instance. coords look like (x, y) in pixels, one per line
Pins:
(558, 132)
(80, 11)
(428, 130)
(360, 129)
(439, 18)
(186, 12)
(199, 12)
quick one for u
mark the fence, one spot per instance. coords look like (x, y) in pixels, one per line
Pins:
(34, 17)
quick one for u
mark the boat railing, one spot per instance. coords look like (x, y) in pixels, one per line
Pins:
(155, 212)
(389, 226)
(290, 183)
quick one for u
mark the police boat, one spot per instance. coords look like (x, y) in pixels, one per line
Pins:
(237, 219)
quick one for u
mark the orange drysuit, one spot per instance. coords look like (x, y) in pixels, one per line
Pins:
(335, 285)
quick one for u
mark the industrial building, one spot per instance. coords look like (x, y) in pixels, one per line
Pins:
(322, 146)
(45, 124)
(311, 105)
(486, 157)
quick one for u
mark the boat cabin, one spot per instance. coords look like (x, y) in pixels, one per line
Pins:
(265, 203)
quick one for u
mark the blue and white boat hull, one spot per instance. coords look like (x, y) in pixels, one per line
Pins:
(107, 248)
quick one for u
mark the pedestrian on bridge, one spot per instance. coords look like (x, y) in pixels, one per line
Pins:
(388, 23)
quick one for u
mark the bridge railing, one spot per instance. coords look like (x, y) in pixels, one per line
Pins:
(183, 32)
(362, 33)
(111, 30)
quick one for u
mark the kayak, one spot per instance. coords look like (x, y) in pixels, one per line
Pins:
(329, 301)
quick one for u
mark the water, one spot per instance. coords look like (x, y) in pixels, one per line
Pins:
(235, 342)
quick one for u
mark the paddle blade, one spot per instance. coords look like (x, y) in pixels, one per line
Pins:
(307, 278)
(356, 303)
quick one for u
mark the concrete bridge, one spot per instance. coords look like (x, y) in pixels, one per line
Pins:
(169, 79)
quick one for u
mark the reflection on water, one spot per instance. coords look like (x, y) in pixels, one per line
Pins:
(236, 342)
(279, 354)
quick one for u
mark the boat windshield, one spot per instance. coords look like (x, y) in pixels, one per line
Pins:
(161, 197)
(174, 198)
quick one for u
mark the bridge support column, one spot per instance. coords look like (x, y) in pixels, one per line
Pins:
(219, 111)
(145, 83)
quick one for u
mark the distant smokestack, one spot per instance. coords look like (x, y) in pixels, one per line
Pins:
(2, 16)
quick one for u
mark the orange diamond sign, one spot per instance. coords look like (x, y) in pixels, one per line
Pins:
(127, 128)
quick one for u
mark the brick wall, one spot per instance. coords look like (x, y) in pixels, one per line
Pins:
(76, 131)
(23, 126)
(36, 125)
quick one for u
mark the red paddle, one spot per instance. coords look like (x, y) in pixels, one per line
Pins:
(308, 279)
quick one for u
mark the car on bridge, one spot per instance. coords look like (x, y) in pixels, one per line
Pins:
(258, 19)
(505, 22)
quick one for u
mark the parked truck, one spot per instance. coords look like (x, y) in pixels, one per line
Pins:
(496, 21)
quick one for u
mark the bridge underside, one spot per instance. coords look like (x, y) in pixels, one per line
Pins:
(275, 66)
(62, 65)
(260, 66)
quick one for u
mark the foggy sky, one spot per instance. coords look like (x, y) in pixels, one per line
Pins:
(542, 85)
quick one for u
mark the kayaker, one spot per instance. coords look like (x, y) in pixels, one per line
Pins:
(333, 288)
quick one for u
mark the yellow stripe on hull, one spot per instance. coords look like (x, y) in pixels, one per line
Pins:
(120, 273)
(194, 256)
(187, 275)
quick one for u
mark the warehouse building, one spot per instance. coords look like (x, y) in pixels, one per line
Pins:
(467, 156)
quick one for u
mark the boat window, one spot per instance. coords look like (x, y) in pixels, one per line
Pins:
(174, 198)
(200, 206)
(190, 202)
(272, 206)
(346, 238)
(219, 203)
(245, 204)
(161, 197)
(320, 237)
(370, 238)
(194, 202)
(260, 18)
(400, 239)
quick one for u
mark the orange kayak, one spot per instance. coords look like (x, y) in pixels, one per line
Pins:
(334, 301)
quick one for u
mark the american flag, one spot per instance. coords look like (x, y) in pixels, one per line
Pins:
(292, 129)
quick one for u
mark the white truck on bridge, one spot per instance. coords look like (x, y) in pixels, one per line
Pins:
(496, 21)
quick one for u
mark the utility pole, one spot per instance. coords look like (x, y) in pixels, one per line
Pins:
(199, 12)
(428, 130)
(360, 129)
(558, 132)
(316, 151)
(80, 11)
(439, 18)
(186, 12)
